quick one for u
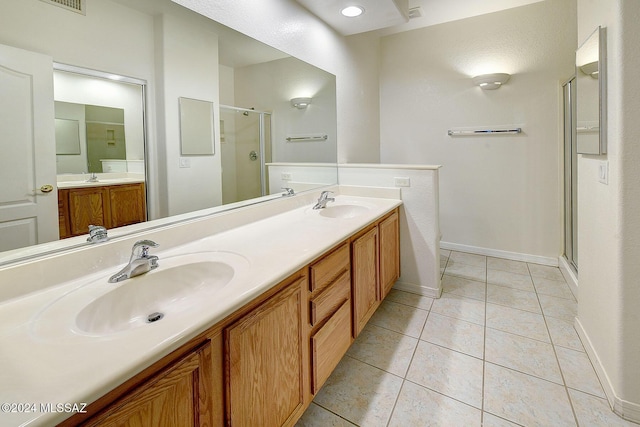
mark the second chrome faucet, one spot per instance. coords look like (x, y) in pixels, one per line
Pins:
(139, 263)
(323, 200)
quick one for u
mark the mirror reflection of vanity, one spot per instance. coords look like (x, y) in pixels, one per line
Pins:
(173, 53)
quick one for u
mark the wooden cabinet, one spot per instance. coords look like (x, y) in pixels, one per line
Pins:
(265, 363)
(109, 206)
(179, 395)
(365, 283)
(389, 233)
(329, 313)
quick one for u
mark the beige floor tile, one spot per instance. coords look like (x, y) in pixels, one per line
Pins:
(524, 323)
(467, 271)
(317, 416)
(513, 298)
(445, 252)
(490, 420)
(388, 350)
(522, 354)
(400, 318)
(453, 374)
(560, 308)
(564, 334)
(360, 393)
(464, 287)
(521, 282)
(552, 287)
(409, 298)
(467, 258)
(578, 371)
(546, 272)
(525, 399)
(593, 411)
(418, 406)
(443, 262)
(454, 334)
(518, 267)
(468, 309)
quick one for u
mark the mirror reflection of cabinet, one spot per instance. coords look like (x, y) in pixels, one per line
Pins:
(591, 108)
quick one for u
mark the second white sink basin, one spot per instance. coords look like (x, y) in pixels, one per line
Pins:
(344, 211)
(179, 284)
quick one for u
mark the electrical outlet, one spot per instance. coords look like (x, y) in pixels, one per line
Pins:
(603, 172)
(285, 176)
(402, 181)
(185, 162)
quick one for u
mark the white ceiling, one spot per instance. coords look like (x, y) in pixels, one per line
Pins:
(377, 11)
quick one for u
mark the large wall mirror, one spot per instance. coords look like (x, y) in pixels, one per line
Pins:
(122, 122)
(591, 94)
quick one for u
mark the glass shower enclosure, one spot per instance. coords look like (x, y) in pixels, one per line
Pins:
(245, 146)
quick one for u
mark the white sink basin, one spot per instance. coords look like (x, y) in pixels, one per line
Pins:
(179, 284)
(343, 211)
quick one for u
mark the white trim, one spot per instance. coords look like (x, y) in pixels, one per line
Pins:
(515, 256)
(570, 276)
(417, 289)
(388, 166)
(625, 409)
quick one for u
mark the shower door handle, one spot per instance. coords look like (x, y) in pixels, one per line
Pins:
(253, 155)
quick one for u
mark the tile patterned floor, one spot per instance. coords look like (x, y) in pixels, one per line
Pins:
(498, 349)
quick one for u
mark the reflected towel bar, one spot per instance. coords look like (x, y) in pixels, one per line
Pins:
(307, 138)
(483, 132)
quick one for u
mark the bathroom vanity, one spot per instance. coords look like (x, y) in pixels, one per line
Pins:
(294, 290)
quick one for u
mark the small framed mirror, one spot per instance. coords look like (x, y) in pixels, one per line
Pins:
(591, 94)
(196, 127)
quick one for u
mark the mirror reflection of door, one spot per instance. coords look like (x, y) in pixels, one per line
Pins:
(28, 201)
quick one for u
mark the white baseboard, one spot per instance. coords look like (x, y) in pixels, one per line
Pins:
(625, 409)
(417, 289)
(515, 256)
(569, 275)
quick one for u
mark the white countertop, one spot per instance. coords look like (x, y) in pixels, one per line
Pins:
(45, 359)
(100, 183)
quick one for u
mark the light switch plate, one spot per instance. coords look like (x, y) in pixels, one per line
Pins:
(402, 181)
(603, 172)
(185, 162)
(285, 176)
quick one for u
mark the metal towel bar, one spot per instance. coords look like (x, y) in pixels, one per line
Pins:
(483, 132)
(307, 138)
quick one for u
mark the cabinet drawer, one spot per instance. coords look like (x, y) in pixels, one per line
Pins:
(331, 266)
(328, 346)
(330, 299)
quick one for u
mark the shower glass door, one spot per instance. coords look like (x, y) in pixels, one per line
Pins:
(570, 175)
(245, 141)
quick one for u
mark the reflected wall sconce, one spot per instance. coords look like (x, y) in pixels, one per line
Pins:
(491, 81)
(300, 103)
(352, 11)
(590, 69)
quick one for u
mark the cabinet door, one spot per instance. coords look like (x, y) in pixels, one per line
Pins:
(63, 214)
(389, 252)
(364, 263)
(180, 396)
(265, 360)
(88, 206)
(127, 204)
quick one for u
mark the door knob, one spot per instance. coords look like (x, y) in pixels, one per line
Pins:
(47, 188)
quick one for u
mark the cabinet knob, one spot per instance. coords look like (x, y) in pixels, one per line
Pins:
(47, 188)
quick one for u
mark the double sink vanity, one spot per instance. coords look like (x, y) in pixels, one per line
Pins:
(241, 323)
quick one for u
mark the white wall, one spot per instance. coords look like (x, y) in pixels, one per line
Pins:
(287, 26)
(500, 193)
(256, 89)
(609, 225)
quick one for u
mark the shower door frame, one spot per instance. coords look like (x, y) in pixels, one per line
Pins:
(570, 174)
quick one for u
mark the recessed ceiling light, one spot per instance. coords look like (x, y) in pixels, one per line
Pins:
(352, 11)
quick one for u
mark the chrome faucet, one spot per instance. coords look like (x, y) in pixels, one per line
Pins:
(92, 178)
(139, 263)
(288, 192)
(97, 234)
(323, 200)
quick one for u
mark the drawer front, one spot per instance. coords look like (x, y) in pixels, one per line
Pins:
(329, 268)
(330, 299)
(328, 346)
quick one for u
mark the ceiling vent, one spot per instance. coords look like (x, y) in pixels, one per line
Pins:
(77, 6)
(415, 12)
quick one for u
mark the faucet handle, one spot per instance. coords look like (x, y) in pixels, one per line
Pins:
(288, 191)
(97, 233)
(144, 246)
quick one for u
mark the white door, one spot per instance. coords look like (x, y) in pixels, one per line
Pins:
(28, 211)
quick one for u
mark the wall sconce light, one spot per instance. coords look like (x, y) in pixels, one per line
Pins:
(491, 81)
(300, 103)
(590, 69)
